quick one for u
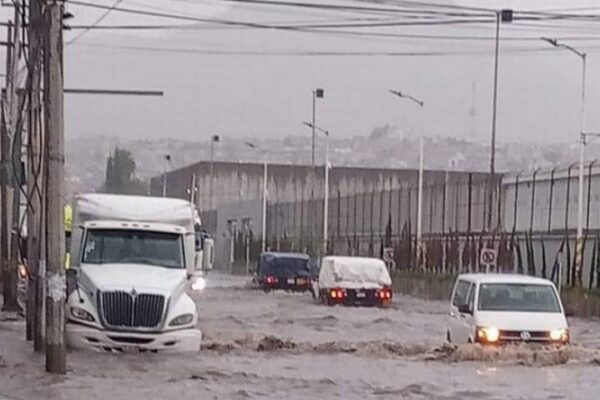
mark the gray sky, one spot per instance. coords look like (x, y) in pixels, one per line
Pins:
(269, 95)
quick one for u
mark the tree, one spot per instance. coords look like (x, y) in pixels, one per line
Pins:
(120, 175)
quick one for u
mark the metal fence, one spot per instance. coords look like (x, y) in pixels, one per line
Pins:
(531, 226)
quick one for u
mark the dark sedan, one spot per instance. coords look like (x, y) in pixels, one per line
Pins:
(284, 271)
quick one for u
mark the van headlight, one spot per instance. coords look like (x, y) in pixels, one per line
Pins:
(199, 284)
(559, 335)
(80, 313)
(183, 319)
(488, 335)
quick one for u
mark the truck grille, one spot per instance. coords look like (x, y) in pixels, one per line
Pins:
(126, 310)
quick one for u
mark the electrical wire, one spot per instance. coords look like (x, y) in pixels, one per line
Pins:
(192, 27)
(98, 21)
(172, 50)
(267, 26)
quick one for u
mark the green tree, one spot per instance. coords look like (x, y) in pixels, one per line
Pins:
(120, 175)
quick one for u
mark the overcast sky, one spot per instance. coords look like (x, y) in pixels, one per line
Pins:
(253, 82)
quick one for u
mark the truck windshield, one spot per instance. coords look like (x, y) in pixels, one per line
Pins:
(518, 297)
(106, 246)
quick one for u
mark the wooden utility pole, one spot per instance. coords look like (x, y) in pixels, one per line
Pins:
(11, 127)
(35, 289)
(16, 125)
(55, 160)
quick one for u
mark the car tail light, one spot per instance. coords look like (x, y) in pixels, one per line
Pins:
(271, 280)
(337, 294)
(384, 294)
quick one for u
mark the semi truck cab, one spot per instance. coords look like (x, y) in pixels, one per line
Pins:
(128, 282)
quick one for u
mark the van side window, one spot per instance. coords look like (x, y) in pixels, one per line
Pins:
(461, 293)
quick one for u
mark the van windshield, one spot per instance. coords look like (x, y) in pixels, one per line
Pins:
(109, 246)
(518, 297)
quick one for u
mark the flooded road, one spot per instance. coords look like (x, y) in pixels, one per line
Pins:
(283, 346)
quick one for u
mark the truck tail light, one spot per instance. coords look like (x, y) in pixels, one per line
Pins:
(271, 280)
(337, 294)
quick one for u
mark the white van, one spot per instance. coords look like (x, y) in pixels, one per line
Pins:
(353, 281)
(495, 308)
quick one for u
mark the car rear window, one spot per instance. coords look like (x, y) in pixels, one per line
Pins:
(284, 266)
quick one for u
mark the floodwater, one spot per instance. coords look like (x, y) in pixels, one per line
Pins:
(284, 346)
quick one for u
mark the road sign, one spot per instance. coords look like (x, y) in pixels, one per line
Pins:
(488, 257)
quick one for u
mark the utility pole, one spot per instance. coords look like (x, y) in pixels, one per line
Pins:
(9, 253)
(55, 160)
(4, 173)
(14, 166)
(35, 288)
(164, 185)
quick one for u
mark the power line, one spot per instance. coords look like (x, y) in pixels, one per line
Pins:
(192, 27)
(99, 20)
(170, 50)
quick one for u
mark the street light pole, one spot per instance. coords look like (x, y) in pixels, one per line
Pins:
(326, 192)
(582, 143)
(264, 206)
(316, 94)
(265, 194)
(505, 15)
(420, 203)
(214, 139)
(164, 186)
(326, 202)
(421, 171)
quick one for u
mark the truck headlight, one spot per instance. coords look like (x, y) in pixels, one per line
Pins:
(559, 335)
(80, 313)
(488, 335)
(183, 319)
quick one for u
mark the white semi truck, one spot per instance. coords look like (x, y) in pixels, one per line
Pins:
(133, 259)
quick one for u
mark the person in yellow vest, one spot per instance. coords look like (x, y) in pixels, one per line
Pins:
(68, 229)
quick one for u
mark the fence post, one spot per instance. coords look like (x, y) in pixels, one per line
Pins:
(515, 210)
(532, 212)
(551, 199)
(589, 196)
(469, 202)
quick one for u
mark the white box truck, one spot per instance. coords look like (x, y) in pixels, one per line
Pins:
(133, 259)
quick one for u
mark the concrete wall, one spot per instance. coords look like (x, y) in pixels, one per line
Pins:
(241, 182)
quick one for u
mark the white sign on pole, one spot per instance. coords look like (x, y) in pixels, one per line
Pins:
(488, 258)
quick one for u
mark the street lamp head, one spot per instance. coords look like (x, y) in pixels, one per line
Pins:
(307, 124)
(319, 93)
(250, 144)
(397, 93)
